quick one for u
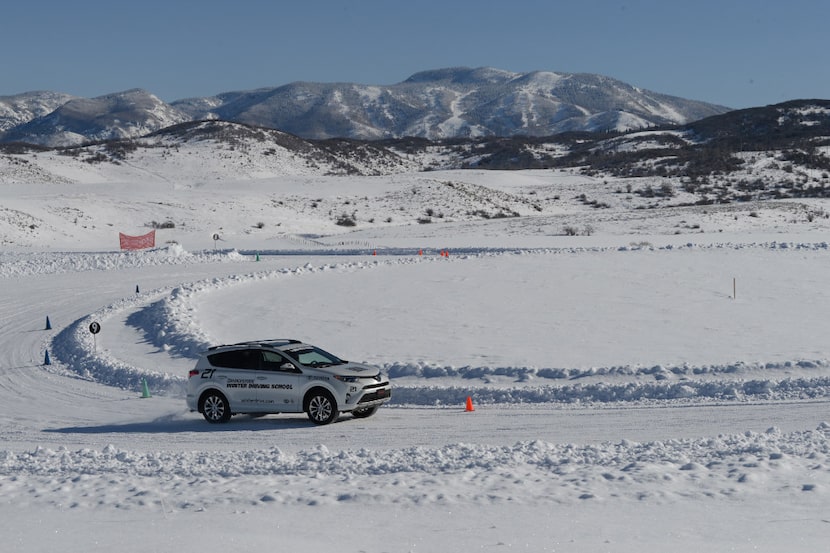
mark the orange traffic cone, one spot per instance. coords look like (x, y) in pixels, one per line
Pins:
(469, 404)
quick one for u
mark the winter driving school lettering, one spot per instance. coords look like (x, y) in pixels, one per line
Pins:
(255, 385)
(283, 376)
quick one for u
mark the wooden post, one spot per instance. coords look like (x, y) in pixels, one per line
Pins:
(734, 289)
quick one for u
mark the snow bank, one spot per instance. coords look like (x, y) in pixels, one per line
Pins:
(532, 473)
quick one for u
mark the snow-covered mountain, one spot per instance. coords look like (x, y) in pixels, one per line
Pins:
(450, 103)
(706, 172)
(22, 108)
(126, 114)
(444, 103)
(720, 157)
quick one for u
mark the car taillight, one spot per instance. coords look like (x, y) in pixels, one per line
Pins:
(193, 372)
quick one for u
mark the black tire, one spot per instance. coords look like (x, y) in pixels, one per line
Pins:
(215, 407)
(321, 407)
(366, 412)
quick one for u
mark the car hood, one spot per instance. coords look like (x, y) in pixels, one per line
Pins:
(355, 369)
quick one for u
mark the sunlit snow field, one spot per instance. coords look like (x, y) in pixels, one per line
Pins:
(635, 389)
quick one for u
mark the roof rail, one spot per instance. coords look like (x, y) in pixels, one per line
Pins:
(276, 341)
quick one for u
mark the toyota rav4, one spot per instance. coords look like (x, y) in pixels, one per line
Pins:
(283, 376)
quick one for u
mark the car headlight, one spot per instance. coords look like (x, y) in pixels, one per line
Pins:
(346, 378)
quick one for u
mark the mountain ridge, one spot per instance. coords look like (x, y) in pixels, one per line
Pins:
(717, 159)
(433, 104)
(759, 163)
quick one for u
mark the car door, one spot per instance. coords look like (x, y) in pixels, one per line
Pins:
(281, 378)
(236, 373)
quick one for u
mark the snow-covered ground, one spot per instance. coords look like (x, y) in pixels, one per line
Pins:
(658, 383)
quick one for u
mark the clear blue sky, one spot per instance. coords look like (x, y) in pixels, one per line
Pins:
(737, 53)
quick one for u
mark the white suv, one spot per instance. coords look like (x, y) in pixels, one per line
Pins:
(283, 376)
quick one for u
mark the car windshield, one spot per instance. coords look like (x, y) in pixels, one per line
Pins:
(315, 357)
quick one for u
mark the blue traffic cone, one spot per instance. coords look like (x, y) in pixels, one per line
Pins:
(48, 323)
(46, 360)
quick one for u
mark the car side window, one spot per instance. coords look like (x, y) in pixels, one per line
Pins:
(236, 359)
(273, 361)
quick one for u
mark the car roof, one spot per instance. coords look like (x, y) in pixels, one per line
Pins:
(277, 343)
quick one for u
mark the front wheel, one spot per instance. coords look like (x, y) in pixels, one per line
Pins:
(363, 413)
(321, 407)
(215, 407)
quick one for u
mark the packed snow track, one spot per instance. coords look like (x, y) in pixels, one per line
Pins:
(618, 380)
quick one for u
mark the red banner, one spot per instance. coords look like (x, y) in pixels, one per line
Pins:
(137, 242)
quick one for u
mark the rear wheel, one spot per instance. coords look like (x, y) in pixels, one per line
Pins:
(215, 407)
(366, 412)
(321, 407)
